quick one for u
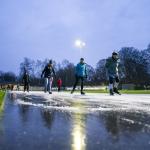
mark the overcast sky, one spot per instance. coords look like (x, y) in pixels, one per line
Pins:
(41, 29)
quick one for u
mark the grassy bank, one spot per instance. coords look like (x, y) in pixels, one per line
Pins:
(135, 91)
(2, 94)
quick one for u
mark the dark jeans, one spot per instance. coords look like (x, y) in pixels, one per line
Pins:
(112, 80)
(78, 78)
(59, 88)
(26, 86)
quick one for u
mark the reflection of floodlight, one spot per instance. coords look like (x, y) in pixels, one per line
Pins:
(78, 130)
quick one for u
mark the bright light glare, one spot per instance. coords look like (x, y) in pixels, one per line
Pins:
(79, 44)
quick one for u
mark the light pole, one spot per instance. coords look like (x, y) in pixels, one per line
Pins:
(79, 44)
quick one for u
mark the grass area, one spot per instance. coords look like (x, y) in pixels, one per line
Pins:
(135, 91)
(2, 94)
(122, 91)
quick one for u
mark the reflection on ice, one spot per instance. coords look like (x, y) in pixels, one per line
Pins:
(78, 131)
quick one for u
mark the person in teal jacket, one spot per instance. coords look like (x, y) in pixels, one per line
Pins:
(80, 74)
(112, 65)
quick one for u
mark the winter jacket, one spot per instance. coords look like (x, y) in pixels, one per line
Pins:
(59, 82)
(112, 66)
(81, 70)
(48, 72)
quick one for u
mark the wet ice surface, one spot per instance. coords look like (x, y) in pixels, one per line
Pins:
(73, 122)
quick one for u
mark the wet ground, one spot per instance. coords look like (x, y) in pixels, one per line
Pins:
(39, 121)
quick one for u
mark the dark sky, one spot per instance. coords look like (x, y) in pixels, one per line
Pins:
(41, 29)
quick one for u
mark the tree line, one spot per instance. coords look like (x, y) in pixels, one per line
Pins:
(134, 69)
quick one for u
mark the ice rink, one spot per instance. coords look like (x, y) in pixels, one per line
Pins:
(61, 121)
(89, 102)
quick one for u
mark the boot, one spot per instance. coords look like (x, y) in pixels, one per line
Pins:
(82, 93)
(111, 92)
(116, 91)
(72, 91)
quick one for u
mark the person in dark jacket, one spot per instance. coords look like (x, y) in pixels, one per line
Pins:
(48, 73)
(80, 74)
(112, 66)
(26, 81)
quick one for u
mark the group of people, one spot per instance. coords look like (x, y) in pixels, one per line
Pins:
(48, 73)
(81, 73)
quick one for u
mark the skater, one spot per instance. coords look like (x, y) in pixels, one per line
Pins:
(59, 84)
(111, 65)
(12, 87)
(80, 74)
(26, 81)
(18, 87)
(48, 73)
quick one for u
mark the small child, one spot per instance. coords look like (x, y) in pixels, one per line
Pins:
(59, 84)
